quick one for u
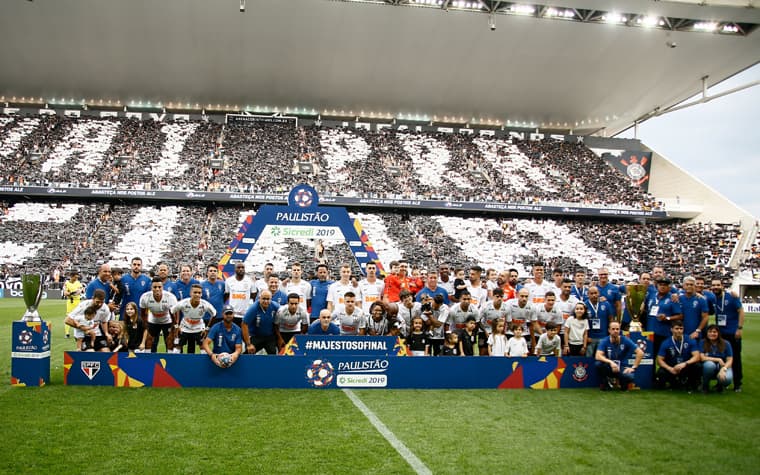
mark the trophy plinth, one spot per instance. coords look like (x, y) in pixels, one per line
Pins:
(30, 339)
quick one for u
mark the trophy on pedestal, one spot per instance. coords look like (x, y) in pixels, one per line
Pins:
(31, 284)
(30, 339)
(635, 295)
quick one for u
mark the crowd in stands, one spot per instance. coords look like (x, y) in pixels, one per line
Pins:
(107, 152)
(146, 154)
(85, 236)
(750, 260)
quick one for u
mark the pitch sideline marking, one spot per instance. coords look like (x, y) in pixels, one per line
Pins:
(417, 465)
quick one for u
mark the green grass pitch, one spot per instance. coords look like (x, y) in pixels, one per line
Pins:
(58, 429)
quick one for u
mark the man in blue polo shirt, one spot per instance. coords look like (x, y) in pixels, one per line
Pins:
(707, 294)
(432, 288)
(694, 308)
(612, 359)
(678, 360)
(600, 314)
(102, 281)
(258, 325)
(661, 310)
(729, 316)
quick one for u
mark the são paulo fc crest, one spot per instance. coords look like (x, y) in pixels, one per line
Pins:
(580, 372)
(320, 373)
(303, 196)
(90, 368)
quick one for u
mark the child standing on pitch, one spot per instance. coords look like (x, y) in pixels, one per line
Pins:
(497, 340)
(451, 345)
(576, 336)
(517, 346)
(468, 337)
(549, 343)
(418, 342)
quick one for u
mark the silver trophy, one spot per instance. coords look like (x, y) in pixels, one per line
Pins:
(32, 287)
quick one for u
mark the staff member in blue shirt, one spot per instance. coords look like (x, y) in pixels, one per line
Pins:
(612, 358)
(258, 325)
(729, 316)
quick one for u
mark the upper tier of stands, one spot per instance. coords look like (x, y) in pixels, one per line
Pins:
(144, 154)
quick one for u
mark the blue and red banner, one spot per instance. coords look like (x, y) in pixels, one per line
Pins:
(257, 371)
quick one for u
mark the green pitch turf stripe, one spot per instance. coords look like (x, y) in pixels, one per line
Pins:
(417, 465)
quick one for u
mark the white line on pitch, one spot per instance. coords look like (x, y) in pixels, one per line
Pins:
(416, 464)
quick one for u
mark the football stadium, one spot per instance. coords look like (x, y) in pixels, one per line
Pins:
(235, 227)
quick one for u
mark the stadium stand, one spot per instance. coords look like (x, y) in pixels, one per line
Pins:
(84, 236)
(146, 154)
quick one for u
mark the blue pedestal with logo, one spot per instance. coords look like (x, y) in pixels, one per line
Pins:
(30, 354)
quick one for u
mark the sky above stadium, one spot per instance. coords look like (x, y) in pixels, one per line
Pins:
(717, 142)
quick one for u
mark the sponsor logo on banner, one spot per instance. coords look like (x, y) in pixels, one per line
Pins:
(367, 366)
(580, 372)
(751, 307)
(362, 381)
(90, 369)
(305, 232)
(241, 250)
(320, 373)
(247, 240)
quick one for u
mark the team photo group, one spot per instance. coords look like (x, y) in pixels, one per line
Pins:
(697, 325)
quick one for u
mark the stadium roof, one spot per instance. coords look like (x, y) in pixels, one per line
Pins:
(600, 68)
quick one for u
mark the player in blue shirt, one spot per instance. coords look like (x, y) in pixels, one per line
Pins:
(729, 316)
(258, 325)
(185, 282)
(162, 272)
(319, 288)
(609, 292)
(612, 359)
(226, 338)
(324, 325)
(679, 361)
(579, 290)
(213, 292)
(134, 285)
